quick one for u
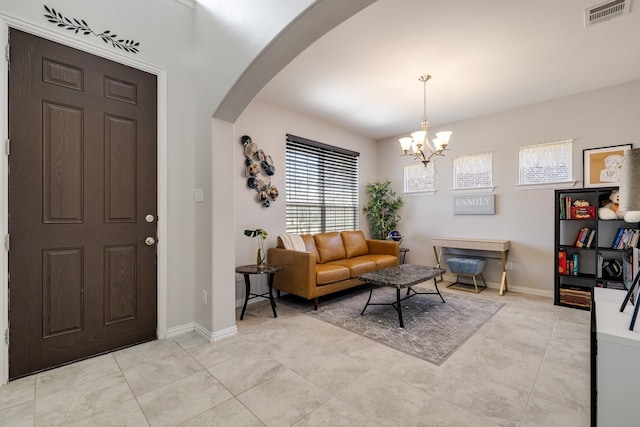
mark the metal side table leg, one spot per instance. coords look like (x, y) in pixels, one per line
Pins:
(247, 287)
(273, 302)
(399, 307)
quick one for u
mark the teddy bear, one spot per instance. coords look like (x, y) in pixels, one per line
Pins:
(611, 209)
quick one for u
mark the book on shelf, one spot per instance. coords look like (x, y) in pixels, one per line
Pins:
(565, 207)
(631, 266)
(616, 239)
(599, 265)
(592, 234)
(562, 262)
(611, 285)
(582, 237)
(568, 265)
(626, 238)
(576, 296)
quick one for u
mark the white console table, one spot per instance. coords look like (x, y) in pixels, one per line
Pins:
(617, 361)
(484, 245)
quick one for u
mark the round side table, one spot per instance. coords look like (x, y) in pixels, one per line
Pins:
(247, 271)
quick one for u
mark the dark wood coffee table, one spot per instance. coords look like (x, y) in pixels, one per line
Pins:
(401, 277)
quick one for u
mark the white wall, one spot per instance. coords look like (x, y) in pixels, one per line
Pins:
(161, 50)
(200, 53)
(267, 125)
(523, 215)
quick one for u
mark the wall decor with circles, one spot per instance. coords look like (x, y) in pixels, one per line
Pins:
(259, 169)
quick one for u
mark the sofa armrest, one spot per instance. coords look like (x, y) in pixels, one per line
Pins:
(298, 274)
(384, 247)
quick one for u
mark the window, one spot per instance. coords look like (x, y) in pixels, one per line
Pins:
(321, 187)
(473, 171)
(417, 178)
(545, 163)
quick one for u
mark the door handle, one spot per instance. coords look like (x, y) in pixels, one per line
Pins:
(150, 241)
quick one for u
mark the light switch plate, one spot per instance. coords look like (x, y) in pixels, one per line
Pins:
(198, 195)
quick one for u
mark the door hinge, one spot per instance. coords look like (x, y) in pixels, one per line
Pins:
(7, 245)
(7, 49)
(6, 336)
(8, 147)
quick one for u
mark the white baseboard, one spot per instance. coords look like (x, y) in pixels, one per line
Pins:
(225, 333)
(180, 330)
(522, 289)
(527, 290)
(216, 335)
(208, 335)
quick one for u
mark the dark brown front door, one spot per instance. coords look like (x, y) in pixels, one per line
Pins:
(82, 201)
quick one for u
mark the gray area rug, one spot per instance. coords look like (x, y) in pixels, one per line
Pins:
(432, 331)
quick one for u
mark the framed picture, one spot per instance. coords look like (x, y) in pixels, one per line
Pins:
(419, 179)
(601, 166)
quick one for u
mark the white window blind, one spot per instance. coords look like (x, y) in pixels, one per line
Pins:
(473, 171)
(545, 163)
(321, 187)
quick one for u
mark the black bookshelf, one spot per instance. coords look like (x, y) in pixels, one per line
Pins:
(593, 261)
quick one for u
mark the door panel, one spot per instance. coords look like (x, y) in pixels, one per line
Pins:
(120, 169)
(63, 285)
(63, 159)
(120, 284)
(82, 179)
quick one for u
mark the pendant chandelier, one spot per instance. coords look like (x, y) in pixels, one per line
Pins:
(418, 145)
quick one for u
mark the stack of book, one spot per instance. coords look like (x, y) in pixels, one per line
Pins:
(565, 207)
(576, 296)
(612, 285)
(626, 238)
(568, 265)
(585, 237)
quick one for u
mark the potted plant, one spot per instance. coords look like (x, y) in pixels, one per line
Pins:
(261, 234)
(382, 209)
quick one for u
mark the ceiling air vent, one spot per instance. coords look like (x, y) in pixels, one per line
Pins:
(606, 11)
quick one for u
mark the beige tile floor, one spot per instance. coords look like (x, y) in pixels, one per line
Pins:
(528, 366)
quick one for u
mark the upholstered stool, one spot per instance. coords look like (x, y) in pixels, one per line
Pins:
(471, 267)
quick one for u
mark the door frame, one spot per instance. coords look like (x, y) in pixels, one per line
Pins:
(6, 22)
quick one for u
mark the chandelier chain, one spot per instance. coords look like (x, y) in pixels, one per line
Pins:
(418, 144)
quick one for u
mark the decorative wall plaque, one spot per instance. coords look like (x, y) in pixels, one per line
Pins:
(474, 204)
(259, 169)
(81, 26)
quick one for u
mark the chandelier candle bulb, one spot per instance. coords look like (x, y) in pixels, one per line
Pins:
(413, 145)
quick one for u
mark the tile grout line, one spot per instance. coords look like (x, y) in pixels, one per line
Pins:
(535, 380)
(131, 390)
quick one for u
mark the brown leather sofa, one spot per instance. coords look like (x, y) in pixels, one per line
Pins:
(332, 262)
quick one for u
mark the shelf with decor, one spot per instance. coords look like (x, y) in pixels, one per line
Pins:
(588, 249)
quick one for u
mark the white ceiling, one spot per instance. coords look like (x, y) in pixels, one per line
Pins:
(484, 57)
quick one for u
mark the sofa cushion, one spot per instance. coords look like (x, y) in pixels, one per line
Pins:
(381, 261)
(331, 273)
(330, 247)
(360, 265)
(310, 244)
(355, 243)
